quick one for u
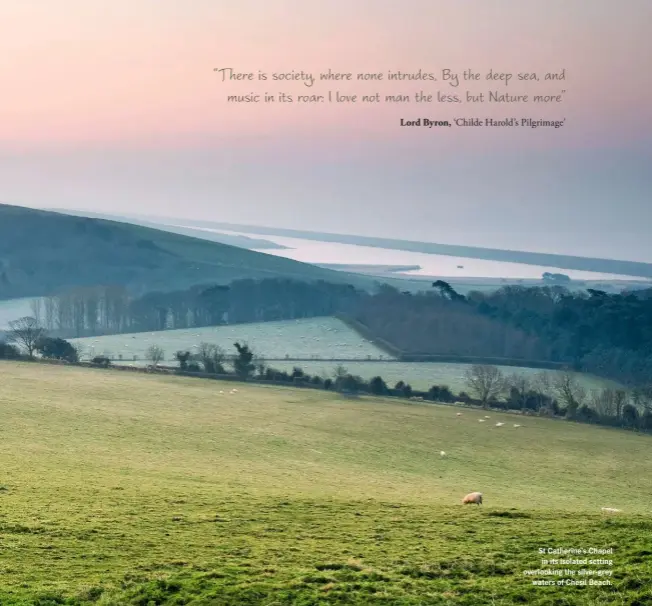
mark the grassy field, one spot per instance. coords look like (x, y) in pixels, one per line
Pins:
(120, 488)
(324, 337)
(316, 337)
(423, 375)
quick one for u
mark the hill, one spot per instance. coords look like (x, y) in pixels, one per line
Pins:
(42, 252)
(230, 239)
(120, 488)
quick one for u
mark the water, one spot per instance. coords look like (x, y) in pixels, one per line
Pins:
(311, 251)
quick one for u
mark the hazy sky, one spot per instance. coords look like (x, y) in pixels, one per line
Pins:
(113, 105)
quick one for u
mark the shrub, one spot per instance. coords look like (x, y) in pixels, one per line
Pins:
(102, 361)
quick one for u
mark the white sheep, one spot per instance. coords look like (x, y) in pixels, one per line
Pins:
(442, 453)
(480, 420)
(610, 510)
(459, 414)
(472, 497)
(487, 417)
(499, 424)
(516, 425)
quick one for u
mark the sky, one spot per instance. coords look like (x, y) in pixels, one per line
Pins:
(115, 106)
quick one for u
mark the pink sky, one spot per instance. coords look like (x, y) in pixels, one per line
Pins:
(113, 106)
(140, 71)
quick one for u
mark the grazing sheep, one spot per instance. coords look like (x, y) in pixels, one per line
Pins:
(610, 510)
(480, 420)
(472, 497)
(442, 453)
(516, 425)
(499, 424)
(459, 414)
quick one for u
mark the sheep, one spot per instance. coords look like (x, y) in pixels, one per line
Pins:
(487, 417)
(480, 420)
(472, 497)
(610, 510)
(499, 424)
(459, 414)
(516, 425)
(442, 453)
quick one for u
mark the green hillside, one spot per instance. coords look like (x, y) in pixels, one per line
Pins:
(42, 252)
(121, 489)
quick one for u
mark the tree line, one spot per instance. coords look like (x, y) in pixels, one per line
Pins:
(92, 311)
(609, 335)
(558, 395)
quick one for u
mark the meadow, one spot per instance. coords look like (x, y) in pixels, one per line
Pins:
(308, 338)
(323, 337)
(131, 489)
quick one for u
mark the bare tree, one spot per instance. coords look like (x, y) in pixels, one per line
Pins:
(154, 354)
(50, 304)
(604, 402)
(36, 307)
(26, 332)
(543, 385)
(212, 357)
(569, 391)
(486, 382)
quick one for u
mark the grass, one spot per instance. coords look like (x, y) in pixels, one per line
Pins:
(119, 489)
(315, 337)
(325, 337)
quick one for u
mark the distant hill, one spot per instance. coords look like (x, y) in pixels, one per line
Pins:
(42, 252)
(230, 239)
(606, 266)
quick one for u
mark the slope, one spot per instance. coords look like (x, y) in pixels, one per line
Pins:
(145, 489)
(42, 252)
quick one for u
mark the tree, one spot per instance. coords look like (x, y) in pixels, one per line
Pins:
(212, 358)
(243, 363)
(447, 291)
(569, 392)
(260, 364)
(26, 332)
(8, 352)
(377, 386)
(519, 386)
(57, 349)
(486, 382)
(182, 357)
(155, 354)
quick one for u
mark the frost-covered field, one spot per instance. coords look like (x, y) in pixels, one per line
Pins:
(310, 338)
(318, 338)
